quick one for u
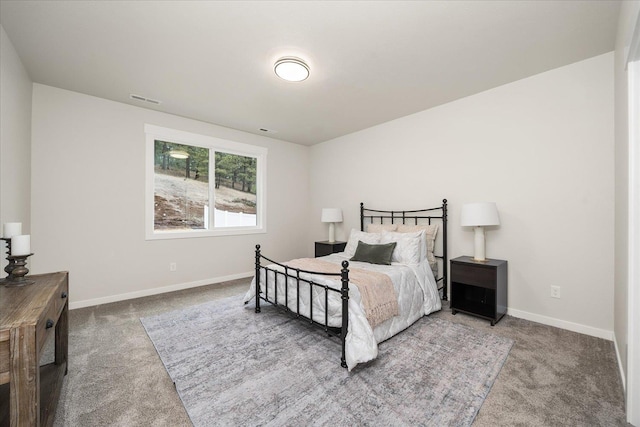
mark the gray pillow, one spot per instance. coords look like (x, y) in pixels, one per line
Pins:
(374, 254)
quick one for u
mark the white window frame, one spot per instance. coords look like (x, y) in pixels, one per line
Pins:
(154, 133)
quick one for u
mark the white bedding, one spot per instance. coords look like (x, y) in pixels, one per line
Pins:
(414, 284)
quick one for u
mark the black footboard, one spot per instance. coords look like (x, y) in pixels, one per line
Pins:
(293, 274)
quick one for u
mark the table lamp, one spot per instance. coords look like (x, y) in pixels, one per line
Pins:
(479, 215)
(331, 215)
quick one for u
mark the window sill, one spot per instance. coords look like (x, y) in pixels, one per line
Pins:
(190, 234)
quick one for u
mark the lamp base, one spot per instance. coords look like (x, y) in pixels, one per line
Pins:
(332, 232)
(479, 244)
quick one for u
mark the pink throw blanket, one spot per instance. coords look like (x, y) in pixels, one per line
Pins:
(379, 298)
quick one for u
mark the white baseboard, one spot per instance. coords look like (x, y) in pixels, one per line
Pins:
(622, 376)
(562, 324)
(155, 291)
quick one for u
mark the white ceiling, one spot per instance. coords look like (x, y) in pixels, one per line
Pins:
(370, 62)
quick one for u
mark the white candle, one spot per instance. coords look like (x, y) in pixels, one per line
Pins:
(21, 245)
(10, 229)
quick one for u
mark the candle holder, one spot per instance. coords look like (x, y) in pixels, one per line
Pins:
(12, 263)
(16, 276)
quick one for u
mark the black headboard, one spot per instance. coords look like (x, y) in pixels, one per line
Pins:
(411, 218)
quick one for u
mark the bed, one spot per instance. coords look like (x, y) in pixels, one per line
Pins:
(342, 295)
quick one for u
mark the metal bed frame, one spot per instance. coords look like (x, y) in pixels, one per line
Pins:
(401, 217)
(394, 217)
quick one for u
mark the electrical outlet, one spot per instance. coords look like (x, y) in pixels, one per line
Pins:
(173, 266)
(555, 292)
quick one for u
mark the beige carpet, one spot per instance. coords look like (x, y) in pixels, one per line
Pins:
(552, 377)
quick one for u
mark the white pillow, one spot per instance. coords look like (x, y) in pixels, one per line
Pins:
(355, 236)
(408, 246)
(379, 228)
(429, 242)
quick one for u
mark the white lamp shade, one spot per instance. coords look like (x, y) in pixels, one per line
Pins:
(479, 214)
(331, 215)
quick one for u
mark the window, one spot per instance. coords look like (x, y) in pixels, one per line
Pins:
(203, 186)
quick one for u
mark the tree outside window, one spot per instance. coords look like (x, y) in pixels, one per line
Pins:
(204, 187)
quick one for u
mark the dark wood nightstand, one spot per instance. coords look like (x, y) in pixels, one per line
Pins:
(479, 287)
(328, 248)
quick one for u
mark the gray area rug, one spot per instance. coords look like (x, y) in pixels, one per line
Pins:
(232, 366)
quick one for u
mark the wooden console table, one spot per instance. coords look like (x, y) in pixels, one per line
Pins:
(29, 315)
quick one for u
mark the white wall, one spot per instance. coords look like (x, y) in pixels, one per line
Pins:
(88, 193)
(541, 148)
(15, 139)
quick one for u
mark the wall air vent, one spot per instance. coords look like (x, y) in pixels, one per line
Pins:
(143, 99)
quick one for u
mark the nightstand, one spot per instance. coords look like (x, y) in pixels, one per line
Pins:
(479, 287)
(328, 248)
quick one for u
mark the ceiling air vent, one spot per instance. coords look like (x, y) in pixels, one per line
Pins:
(143, 99)
(265, 130)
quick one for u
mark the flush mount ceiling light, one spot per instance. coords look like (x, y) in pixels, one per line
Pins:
(178, 154)
(291, 69)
